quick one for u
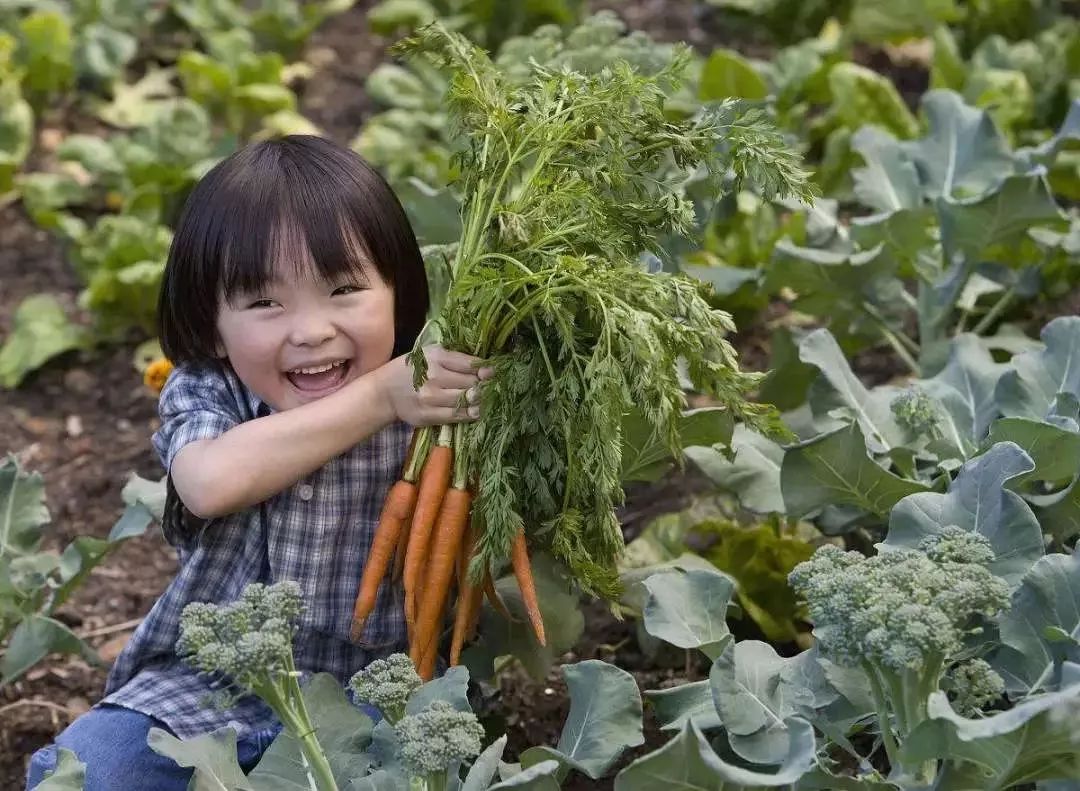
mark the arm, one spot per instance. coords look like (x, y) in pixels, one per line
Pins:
(256, 459)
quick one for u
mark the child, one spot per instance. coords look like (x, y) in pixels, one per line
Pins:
(293, 288)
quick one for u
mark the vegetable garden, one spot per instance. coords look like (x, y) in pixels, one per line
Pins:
(777, 480)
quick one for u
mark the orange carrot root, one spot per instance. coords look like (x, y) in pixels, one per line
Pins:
(434, 481)
(494, 599)
(523, 574)
(396, 511)
(448, 534)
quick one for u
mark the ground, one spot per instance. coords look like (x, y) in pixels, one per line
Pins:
(84, 423)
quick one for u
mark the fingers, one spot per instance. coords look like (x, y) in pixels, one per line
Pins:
(457, 364)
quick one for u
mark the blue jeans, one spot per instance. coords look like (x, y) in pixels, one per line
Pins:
(111, 741)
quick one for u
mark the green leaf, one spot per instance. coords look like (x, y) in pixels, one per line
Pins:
(789, 379)
(646, 457)
(35, 638)
(861, 96)
(1055, 451)
(966, 387)
(392, 16)
(541, 777)
(604, 719)
(1006, 94)
(69, 774)
(1003, 750)
(673, 706)
(1036, 377)
(835, 469)
(688, 763)
(727, 74)
(104, 51)
(16, 132)
(830, 284)
(871, 409)
(452, 686)
(889, 182)
(753, 475)
(342, 729)
(759, 559)
(485, 766)
(22, 509)
(40, 332)
(947, 69)
(1048, 596)
(882, 20)
(211, 755)
(688, 608)
(977, 500)
(963, 153)
(47, 53)
(753, 703)
(1004, 215)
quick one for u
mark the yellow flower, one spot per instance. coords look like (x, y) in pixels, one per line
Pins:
(156, 373)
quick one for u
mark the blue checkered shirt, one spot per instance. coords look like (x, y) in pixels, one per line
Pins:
(317, 532)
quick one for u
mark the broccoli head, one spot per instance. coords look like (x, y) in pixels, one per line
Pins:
(915, 411)
(438, 737)
(249, 639)
(902, 609)
(975, 685)
(902, 616)
(387, 684)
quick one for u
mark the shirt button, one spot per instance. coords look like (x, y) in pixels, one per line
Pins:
(306, 491)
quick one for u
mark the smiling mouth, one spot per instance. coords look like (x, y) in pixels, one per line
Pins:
(317, 378)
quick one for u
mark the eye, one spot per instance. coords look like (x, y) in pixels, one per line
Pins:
(261, 304)
(347, 289)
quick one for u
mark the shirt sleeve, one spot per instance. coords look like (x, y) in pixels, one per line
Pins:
(195, 404)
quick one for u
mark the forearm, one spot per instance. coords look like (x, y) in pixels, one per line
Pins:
(259, 458)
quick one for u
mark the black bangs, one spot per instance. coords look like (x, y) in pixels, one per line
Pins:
(277, 208)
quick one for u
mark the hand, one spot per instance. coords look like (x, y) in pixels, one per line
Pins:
(451, 375)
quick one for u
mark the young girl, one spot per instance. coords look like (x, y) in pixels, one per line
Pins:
(293, 288)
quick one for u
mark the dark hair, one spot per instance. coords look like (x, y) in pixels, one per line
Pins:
(251, 206)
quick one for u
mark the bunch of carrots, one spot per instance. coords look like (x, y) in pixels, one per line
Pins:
(565, 179)
(425, 535)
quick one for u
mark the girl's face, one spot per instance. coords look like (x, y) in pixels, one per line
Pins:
(302, 337)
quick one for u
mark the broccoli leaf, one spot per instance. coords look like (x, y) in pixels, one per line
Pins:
(688, 608)
(688, 762)
(1049, 596)
(1035, 378)
(1021, 745)
(977, 500)
(604, 720)
(835, 469)
(211, 755)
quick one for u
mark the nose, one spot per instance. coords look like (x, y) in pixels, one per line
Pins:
(311, 329)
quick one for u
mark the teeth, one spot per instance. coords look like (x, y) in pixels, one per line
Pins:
(318, 369)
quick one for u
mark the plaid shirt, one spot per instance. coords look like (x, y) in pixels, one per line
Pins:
(317, 532)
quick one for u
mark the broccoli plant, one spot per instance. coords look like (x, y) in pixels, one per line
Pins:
(435, 741)
(428, 736)
(387, 685)
(250, 641)
(902, 616)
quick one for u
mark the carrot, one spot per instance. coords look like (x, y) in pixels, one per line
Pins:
(427, 665)
(519, 558)
(399, 554)
(494, 599)
(468, 598)
(446, 543)
(396, 510)
(468, 611)
(434, 481)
